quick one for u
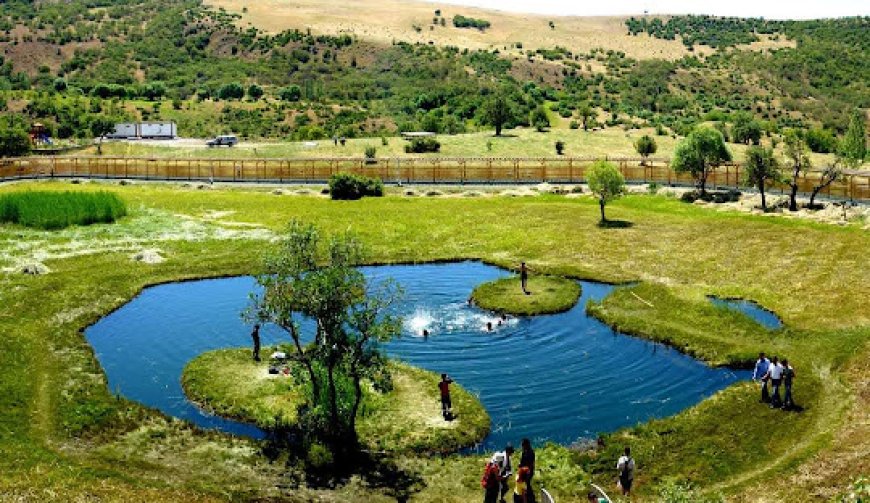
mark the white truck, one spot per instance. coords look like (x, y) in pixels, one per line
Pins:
(157, 130)
(150, 130)
(124, 130)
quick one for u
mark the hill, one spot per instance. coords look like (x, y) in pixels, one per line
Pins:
(308, 70)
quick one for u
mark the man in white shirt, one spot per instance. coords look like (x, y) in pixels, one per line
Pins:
(774, 373)
(503, 459)
(625, 467)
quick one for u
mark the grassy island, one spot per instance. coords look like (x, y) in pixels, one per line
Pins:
(548, 294)
(408, 418)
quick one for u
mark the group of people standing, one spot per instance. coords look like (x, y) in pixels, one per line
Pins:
(499, 471)
(778, 374)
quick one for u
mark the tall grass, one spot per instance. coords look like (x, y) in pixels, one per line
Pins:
(58, 210)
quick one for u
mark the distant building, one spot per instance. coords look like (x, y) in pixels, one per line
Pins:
(146, 130)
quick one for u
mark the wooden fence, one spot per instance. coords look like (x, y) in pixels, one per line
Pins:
(469, 170)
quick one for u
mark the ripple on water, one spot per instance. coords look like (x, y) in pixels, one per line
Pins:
(558, 377)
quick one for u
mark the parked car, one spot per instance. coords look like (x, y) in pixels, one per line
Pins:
(227, 139)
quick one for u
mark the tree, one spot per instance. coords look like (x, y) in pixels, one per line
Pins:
(699, 153)
(14, 140)
(290, 93)
(585, 111)
(231, 91)
(645, 146)
(606, 182)
(317, 279)
(828, 175)
(539, 118)
(760, 168)
(746, 129)
(853, 147)
(798, 154)
(100, 126)
(497, 111)
(255, 92)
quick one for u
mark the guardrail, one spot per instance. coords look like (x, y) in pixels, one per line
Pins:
(853, 185)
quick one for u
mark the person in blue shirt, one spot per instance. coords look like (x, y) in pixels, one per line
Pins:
(760, 374)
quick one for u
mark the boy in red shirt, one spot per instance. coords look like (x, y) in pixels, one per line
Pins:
(446, 406)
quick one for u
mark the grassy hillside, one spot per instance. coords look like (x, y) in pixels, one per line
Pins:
(309, 71)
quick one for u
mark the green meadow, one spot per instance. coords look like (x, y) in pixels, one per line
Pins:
(66, 436)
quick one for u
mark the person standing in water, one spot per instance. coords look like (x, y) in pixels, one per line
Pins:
(446, 405)
(255, 335)
(524, 278)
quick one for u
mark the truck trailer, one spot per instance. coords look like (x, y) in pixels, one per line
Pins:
(146, 130)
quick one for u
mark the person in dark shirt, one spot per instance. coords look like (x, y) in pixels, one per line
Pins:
(527, 460)
(524, 278)
(255, 335)
(446, 406)
(787, 379)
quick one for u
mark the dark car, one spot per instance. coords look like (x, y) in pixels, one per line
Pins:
(228, 140)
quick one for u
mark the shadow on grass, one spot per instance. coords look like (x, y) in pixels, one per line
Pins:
(377, 470)
(615, 224)
(505, 135)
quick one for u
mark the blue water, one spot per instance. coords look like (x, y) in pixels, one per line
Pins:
(763, 316)
(560, 377)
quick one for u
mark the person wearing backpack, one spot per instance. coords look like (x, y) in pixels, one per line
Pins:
(625, 467)
(491, 482)
(787, 379)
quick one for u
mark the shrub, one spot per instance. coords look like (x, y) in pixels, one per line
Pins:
(370, 154)
(560, 147)
(57, 210)
(422, 146)
(347, 186)
(821, 141)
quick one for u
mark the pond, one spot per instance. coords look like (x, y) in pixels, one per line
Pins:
(762, 316)
(559, 377)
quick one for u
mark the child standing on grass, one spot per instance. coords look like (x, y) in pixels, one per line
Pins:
(760, 374)
(521, 488)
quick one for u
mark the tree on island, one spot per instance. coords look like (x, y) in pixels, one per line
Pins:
(497, 111)
(645, 146)
(761, 167)
(317, 279)
(701, 152)
(606, 182)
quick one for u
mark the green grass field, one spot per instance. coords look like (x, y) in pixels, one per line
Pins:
(65, 436)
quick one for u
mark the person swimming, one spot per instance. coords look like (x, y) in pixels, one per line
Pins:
(489, 326)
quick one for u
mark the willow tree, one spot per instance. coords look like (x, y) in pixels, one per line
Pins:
(317, 279)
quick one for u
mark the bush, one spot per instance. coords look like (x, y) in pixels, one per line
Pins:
(728, 196)
(560, 147)
(346, 186)
(422, 146)
(370, 154)
(57, 210)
